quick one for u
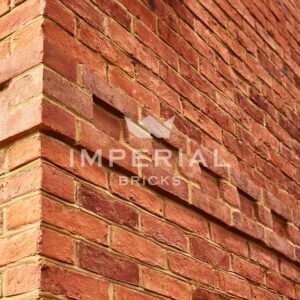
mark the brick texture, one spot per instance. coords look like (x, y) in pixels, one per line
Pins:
(228, 71)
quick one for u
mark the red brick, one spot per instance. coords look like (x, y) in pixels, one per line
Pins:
(229, 240)
(165, 285)
(23, 151)
(163, 232)
(60, 14)
(208, 253)
(23, 212)
(151, 40)
(58, 183)
(107, 207)
(263, 256)
(137, 194)
(280, 284)
(68, 94)
(60, 154)
(201, 293)
(23, 182)
(141, 12)
(177, 43)
(72, 284)
(211, 205)
(156, 86)
(247, 269)
(131, 46)
(233, 285)
(86, 10)
(122, 293)
(192, 269)
(104, 47)
(186, 218)
(116, 11)
(135, 246)
(104, 263)
(20, 16)
(57, 246)
(21, 279)
(109, 95)
(260, 293)
(23, 245)
(73, 220)
(134, 90)
(27, 35)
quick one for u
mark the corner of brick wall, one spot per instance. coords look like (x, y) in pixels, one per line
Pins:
(71, 71)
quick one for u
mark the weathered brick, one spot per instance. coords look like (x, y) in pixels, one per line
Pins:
(164, 284)
(58, 280)
(135, 246)
(108, 265)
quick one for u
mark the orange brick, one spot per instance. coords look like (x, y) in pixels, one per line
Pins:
(135, 246)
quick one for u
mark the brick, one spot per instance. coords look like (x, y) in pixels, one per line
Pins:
(142, 13)
(134, 90)
(87, 11)
(21, 279)
(104, 47)
(73, 220)
(192, 269)
(233, 285)
(60, 154)
(92, 139)
(137, 194)
(208, 253)
(60, 14)
(58, 183)
(151, 40)
(107, 207)
(68, 52)
(130, 45)
(211, 205)
(163, 232)
(57, 246)
(156, 86)
(247, 269)
(115, 98)
(230, 194)
(23, 212)
(68, 94)
(201, 293)
(23, 182)
(186, 218)
(289, 270)
(58, 280)
(122, 293)
(135, 246)
(280, 284)
(260, 293)
(229, 240)
(263, 256)
(247, 225)
(23, 151)
(20, 16)
(23, 245)
(116, 11)
(108, 265)
(165, 285)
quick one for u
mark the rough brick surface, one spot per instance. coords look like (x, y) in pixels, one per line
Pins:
(71, 71)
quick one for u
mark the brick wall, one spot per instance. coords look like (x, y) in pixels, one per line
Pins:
(71, 70)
